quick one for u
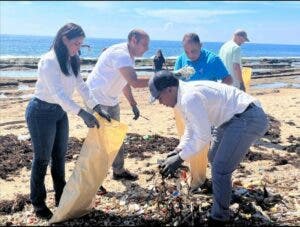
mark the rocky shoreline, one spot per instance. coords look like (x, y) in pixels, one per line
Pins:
(261, 66)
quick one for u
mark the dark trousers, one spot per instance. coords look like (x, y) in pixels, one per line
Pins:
(49, 130)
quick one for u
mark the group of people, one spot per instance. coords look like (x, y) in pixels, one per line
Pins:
(226, 67)
(237, 117)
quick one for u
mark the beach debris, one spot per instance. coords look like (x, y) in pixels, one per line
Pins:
(281, 161)
(146, 137)
(169, 201)
(185, 72)
(294, 146)
(16, 205)
(123, 200)
(291, 123)
(139, 146)
(16, 153)
(3, 96)
(273, 132)
(24, 137)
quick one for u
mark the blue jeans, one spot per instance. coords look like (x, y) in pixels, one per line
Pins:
(114, 112)
(49, 130)
(230, 144)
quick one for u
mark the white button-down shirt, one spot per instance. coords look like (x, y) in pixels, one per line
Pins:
(55, 87)
(204, 104)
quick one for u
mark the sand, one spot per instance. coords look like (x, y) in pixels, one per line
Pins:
(281, 103)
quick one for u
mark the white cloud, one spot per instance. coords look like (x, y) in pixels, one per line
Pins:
(188, 15)
(168, 26)
(98, 5)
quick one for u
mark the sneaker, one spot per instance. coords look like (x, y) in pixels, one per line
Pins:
(126, 175)
(43, 213)
(101, 190)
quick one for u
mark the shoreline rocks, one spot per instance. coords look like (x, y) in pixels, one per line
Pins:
(262, 67)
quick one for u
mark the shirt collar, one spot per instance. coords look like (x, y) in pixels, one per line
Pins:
(201, 56)
(180, 92)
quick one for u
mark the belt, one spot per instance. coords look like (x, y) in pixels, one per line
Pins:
(250, 106)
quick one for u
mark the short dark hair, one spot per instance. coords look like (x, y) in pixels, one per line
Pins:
(161, 80)
(138, 34)
(164, 79)
(191, 37)
(71, 31)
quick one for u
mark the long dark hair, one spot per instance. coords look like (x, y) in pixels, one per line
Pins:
(161, 54)
(71, 31)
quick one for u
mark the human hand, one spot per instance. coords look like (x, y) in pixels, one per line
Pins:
(185, 72)
(136, 112)
(170, 165)
(174, 152)
(88, 119)
(102, 113)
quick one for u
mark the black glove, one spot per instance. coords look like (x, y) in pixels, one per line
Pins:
(242, 86)
(170, 165)
(88, 119)
(174, 152)
(136, 112)
(102, 113)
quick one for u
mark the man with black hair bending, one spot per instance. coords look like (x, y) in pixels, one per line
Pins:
(237, 116)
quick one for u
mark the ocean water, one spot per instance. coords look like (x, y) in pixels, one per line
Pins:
(35, 46)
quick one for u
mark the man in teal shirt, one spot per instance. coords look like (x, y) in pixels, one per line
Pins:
(208, 66)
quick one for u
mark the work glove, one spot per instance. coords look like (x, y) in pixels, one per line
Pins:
(88, 119)
(242, 87)
(170, 165)
(174, 152)
(136, 112)
(102, 113)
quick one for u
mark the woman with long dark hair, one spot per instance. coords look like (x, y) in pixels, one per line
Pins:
(46, 113)
(158, 61)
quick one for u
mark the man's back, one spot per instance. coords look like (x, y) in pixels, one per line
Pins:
(230, 53)
(219, 101)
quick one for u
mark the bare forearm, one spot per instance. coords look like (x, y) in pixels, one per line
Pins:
(131, 77)
(238, 72)
(128, 94)
(139, 83)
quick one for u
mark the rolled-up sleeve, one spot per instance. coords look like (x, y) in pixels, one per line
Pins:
(50, 72)
(197, 132)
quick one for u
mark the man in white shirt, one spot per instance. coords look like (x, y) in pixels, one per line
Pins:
(230, 53)
(237, 116)
(113, 74)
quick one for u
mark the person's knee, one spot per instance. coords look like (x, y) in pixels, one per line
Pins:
(220, 170)
(41, 162)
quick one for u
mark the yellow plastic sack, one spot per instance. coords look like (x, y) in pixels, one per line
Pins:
(198, 162)
(246, 74)
(96, 156)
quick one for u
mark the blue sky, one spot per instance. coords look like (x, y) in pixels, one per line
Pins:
(265, 22)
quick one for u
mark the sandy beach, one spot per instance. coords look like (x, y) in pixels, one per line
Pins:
(271, 165)
(261, 36)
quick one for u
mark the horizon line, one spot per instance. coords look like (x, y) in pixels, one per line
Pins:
(291, 44)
